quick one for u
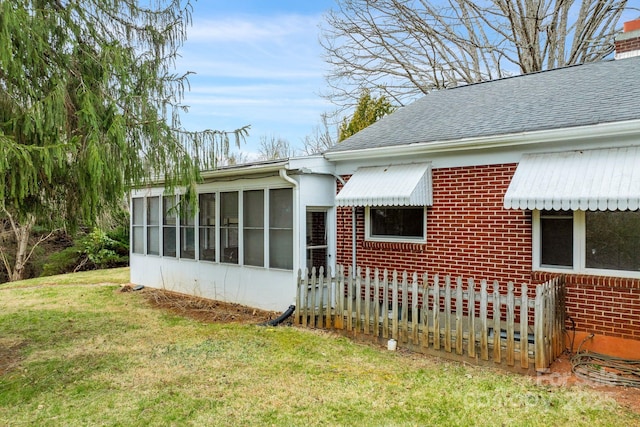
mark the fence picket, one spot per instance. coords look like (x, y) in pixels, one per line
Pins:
(447, 314)
(511, 309)
(459, 315)
(321, 284)
(350, 298)
(358, 301)
(484, 327)
(367, 301)
(540, 354)
(376, 303)
(497, 351)
(385, 304)
(471, 346)
(524, 333)
(338, 320)
(394, 306)
(436, 312)
(425, 310)
(414, 310)
(404, 310)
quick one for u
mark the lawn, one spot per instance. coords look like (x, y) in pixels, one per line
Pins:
(73, 353)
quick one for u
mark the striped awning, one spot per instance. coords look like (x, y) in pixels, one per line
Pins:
(396, 185)
(601, 179)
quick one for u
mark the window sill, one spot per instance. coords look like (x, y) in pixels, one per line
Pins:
(395, 245)
(589, 278)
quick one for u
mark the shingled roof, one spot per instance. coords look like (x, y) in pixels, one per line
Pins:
(579, 95)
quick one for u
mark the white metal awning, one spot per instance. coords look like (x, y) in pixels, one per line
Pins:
(602, 179)
(396, 185)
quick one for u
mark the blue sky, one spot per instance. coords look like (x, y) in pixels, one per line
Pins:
(258, 63)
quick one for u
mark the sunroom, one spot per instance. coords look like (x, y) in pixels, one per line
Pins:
(246, 239)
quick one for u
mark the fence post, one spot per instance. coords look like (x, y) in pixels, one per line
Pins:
(540, 354)
(350, 298)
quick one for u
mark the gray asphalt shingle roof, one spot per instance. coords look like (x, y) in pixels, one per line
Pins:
(580, 95)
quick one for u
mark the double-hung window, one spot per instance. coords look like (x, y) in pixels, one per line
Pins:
(597, 242)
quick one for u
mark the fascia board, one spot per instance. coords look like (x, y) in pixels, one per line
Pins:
(613, 130)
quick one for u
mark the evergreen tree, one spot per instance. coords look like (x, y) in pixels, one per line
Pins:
(90, 105)
(368, 111)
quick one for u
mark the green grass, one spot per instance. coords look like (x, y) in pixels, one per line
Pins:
(113, 275)
(89, 355)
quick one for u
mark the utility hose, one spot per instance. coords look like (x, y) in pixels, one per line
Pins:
(284, 316)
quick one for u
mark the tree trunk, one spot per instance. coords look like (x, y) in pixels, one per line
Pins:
(22, 233)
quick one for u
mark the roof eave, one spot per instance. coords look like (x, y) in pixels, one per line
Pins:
(615, 129)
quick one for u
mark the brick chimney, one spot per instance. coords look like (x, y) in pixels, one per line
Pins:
(627, 44)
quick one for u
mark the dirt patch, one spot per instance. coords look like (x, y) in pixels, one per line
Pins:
(10, 354)
(204, 309)
(561, 376)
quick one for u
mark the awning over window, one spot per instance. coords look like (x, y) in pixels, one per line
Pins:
(397, 185)
(603, 179)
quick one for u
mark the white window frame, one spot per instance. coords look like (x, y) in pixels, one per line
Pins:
(398, 239)
(579, 246)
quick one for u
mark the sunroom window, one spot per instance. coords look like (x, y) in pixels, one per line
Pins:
(207, 224)
(153, 225)
(169, 216)
(187, 231)
(253, 208)
(137, 223)
(281, 228)
(229, 227)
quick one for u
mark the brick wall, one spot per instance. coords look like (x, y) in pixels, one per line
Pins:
(469, 233)
(608, 306)
(629, 45)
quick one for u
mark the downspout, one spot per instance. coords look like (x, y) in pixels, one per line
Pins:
(353, 241)
(296, 216)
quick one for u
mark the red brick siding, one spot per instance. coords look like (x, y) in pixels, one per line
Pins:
(469, 233)
(601, 305)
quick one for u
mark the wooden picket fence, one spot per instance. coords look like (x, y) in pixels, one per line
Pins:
(442, 316)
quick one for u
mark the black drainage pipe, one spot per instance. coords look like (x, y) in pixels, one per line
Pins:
(284, 316)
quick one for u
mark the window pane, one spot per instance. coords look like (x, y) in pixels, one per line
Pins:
(556, 238)
(253, 208)
(281, 249)
(207, 235)
(254, 246)
(397, 222)
(207, 209)
(138, 239)
(253, 213)
(229, 227)
(153, 211)
(187, 242)
(138, 211)
(187, 216)
(281, 208)
(613, 240)
(153, 240)
(316, 228)
(169, 241)
(169, 210)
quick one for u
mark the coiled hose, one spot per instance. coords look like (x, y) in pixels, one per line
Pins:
(602, 368)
